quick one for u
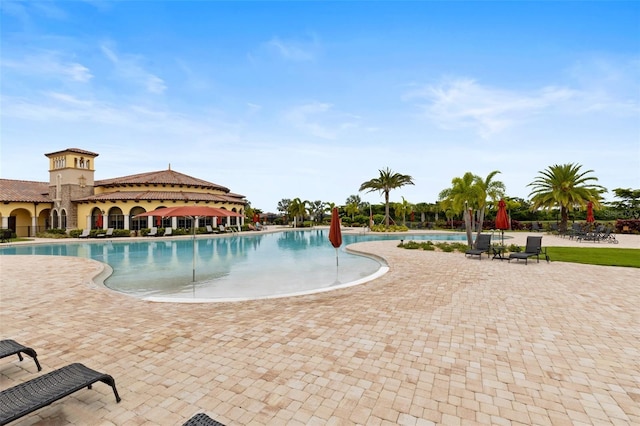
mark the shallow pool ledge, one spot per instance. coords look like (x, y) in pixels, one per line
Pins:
(384, 268)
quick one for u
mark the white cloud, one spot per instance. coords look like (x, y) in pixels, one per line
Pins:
(292, 50)
(463, 102)
(306, 117)
(128, 67)
(595, 87)
(50, 65)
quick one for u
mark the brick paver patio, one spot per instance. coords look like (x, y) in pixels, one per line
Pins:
(440, 339)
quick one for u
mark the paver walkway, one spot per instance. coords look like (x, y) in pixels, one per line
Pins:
(440, 339)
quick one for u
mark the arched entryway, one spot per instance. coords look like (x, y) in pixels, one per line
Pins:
(115, 218)
(136, 224)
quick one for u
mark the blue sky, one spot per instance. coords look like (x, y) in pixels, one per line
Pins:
(310, 99)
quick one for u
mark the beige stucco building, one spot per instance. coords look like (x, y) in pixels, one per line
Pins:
(72, 199)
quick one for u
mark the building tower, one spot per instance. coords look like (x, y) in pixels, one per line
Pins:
(71, 174)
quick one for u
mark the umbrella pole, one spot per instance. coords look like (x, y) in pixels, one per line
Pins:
(194, 251)
(336, 256)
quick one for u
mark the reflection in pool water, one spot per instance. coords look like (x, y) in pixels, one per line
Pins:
(247, 266)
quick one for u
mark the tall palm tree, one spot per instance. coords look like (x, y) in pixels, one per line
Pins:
(384, 183)
(298, 208)
(463, 198)
(487, 188)
(565, 186)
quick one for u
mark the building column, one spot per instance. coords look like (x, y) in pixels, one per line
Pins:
(34, 226)
(5, 222)
(127, 219)
(149, 222)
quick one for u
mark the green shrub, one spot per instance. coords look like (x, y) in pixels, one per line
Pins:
(74, 233)
(514, 248)
(447, 248)
(414, 245)
(391, 228)
(58, 231)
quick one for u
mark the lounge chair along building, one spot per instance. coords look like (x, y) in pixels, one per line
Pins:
(73, 199)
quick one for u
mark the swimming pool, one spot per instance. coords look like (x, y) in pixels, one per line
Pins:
(227, 268)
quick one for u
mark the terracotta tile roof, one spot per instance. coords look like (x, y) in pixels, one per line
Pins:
(162, 177)
(162, 195)
(76, 150)
(24, 191)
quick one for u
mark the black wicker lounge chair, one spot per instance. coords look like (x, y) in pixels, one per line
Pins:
(34, 394)
(5, 235)
(10, 347)
(483, 245)
(202, 419)
(533, 248)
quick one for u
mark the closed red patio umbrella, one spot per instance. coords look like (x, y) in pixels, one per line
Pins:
(335, 233)
(99, 221)
(590, 218)
(502, 220)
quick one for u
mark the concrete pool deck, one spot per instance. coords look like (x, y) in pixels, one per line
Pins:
(439, 339)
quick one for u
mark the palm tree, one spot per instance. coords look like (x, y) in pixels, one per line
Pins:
(352, 205)
(487, 188)
(401, 209)
(463, 197)
(565, 186)
(422, 209)
(298, 208)
(317, 209)
(384, 183)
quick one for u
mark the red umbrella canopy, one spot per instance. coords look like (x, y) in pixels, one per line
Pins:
(99, 221)
(193, 211)
(502, 220)
(590, 218)
(256, 218)
(335, 234)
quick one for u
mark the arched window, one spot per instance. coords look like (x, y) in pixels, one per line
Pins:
(116, 218)
(54, 219)
(63, 219)
(137, 223)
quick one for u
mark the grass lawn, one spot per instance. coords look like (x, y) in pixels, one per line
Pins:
(596, 256)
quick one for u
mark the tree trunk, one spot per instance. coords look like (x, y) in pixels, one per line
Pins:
(480, 222)
(564, 212)
(386, 209)
(467, 224)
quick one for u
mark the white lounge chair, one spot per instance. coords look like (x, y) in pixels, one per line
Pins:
(109, 233)
(85, 233)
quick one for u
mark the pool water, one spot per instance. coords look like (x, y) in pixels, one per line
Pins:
(247, 266)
